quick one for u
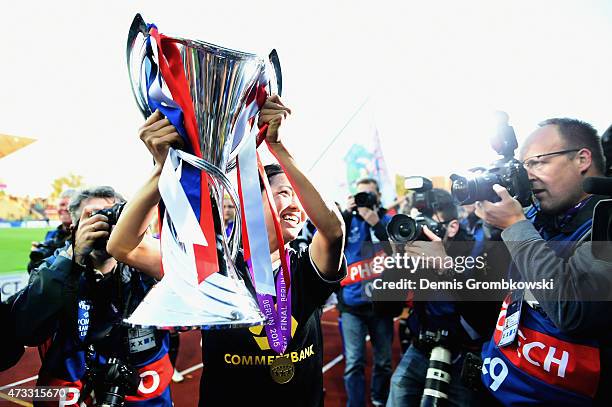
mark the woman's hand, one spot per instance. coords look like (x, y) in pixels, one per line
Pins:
(159, 135)
(272, 113)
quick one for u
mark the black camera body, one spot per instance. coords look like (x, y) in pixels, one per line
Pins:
(112, 214)
(404, 229)
(366, 200)
(430, 339)
(42, 251)
(507, 172)
(117, 379)
(423, 198)
(46, 249)
(111, 382)
(601, 234)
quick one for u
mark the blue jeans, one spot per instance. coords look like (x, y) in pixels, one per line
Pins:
(354, 331)
(409, 379)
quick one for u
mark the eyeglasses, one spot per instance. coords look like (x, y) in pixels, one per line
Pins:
(535, 163)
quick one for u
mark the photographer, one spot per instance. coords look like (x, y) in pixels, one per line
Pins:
(74, 304)
(365, 222)
(12, 349)
(229, 213)
(436, 323)
(57, 238)
(606, 143)
(552, 346)
(237, 362)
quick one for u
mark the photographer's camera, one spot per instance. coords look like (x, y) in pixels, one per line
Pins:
(366, 200)
(507, 172)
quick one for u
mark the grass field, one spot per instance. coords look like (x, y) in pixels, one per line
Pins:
(15, 245)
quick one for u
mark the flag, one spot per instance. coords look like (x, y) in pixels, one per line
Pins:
(366, 160)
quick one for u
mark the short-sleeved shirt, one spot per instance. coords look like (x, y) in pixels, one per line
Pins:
(237, 361)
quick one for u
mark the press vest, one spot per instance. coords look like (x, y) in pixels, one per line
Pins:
(360, 252)
(543, 365)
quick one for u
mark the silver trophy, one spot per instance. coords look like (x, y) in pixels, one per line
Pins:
(219, 81)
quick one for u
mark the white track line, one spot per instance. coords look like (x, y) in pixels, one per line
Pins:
(29, 379)
(333, 363)
(15, 400)
(338, 359)
(328, 308)
(192, 369)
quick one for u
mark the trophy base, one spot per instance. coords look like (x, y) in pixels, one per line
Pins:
(195, 308)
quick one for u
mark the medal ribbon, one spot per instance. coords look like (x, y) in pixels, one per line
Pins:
(278, 328)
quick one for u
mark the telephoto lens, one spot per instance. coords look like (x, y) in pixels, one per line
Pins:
(437, 382)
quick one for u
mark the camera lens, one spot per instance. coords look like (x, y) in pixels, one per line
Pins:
(460, 189)
(402, 228)
(405, 230)
(475, 187)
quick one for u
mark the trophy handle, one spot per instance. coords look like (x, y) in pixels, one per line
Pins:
(276, 87)
(138, 27)
(278, 75)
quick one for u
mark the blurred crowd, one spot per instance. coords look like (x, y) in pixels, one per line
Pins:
(24, 208)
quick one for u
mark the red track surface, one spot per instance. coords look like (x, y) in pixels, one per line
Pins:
(185, 394)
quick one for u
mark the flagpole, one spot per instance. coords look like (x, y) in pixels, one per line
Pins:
(333, 140)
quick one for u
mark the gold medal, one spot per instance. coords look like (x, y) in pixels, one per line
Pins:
(282, 370)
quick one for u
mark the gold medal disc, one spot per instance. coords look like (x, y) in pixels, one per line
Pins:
(282, 370)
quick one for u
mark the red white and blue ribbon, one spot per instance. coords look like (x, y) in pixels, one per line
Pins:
(166, 71)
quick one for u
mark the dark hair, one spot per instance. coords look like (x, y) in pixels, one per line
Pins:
(579, 134)
(606, 143)
(445, 205)
(271, 170)
(368, 181)
(94, 192)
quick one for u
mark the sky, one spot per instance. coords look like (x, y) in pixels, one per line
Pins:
(426, 75)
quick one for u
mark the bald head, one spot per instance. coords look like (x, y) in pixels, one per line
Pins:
(556, 168)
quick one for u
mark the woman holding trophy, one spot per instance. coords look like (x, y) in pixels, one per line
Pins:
(256, 365)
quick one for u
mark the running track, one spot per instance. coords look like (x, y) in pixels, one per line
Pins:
(189, 362)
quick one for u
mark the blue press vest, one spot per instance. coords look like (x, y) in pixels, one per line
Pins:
(544, 366)
(357, 252)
